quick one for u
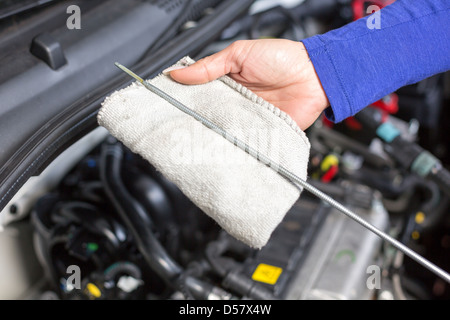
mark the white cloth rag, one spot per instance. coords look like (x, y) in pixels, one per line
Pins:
(244, 196)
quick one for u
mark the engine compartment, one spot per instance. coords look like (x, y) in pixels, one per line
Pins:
(131, 234)
(169, 240)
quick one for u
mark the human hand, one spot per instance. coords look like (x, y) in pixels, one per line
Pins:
(277, 70)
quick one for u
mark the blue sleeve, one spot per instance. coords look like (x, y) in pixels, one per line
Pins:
(358, 65)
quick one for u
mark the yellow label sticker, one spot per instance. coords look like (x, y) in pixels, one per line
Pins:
(267, 273)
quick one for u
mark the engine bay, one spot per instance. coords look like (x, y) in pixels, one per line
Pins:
(80, 224)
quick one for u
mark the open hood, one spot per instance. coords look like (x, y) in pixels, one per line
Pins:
(55, 70)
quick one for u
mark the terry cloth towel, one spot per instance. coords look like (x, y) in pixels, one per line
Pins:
(244, 196)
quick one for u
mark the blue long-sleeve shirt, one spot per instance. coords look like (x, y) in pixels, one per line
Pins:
(358, 65)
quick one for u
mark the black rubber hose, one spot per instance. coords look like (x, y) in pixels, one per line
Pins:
(318, 9)
(205, 291)
(436, 215)
(151, 196)
(132, 213)
(229, 271)
(213, 251)
(287, 19)
(122, 267)
(91, 191)
(245, 286)
(192, 10)
(383, 182)
(441, 177)
(91, 219)
(155, 202)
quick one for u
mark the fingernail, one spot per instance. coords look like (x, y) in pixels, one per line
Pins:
(169, 70)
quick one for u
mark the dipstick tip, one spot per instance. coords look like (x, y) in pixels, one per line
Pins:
(129, 72)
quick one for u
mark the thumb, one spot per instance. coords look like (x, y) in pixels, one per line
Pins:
(202, 71)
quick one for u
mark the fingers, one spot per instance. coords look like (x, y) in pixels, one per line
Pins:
(204, 70)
